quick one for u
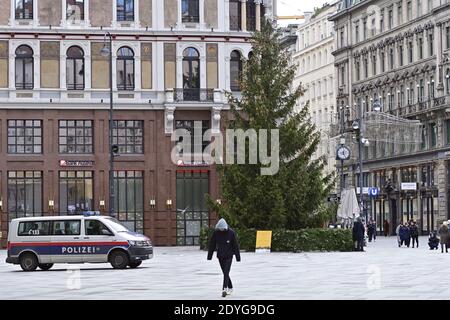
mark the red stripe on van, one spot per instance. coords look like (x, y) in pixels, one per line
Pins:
(41, 244)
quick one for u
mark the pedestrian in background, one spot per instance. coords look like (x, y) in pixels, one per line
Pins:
(358, 234)
(371, 230)
(224, 241)
(386, 228)
(397, 232)
(414, 233)
(443, 234)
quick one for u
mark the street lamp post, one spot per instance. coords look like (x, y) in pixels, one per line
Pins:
(107, 51)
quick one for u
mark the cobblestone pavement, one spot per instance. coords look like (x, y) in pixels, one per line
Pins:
(384, 271)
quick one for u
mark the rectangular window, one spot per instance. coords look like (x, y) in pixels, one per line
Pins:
(447, 127)
(382, 21)
(75, 136)
(356, 34)
(364, 29)
(190, 11)
(24, 136)
(400, 55)
(382, 62)
(431, 44)
(391, 18)
(66, 227)
(129, 136)
(75, 10)
(410, 52)
(24, 9)
(129, 199)
(409, 10)
(420, 44)
(391, 58)
(235, 15)
(24, 194)
(424, 143)
(447, 36)
(374, 27)
(76, 191)
(196, 131)
(419, 8)
(433, 133)
(125, 10)
(34, 228)
(400, 14)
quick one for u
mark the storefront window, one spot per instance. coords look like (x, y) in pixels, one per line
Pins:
(129, 198)
(192, 212)
(24, 194)
(76, 192)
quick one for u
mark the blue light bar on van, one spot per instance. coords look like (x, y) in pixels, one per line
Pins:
(91, 213)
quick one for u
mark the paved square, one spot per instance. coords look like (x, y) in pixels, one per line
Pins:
(384, 271)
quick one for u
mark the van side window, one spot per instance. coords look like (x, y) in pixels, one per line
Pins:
(96, 228)
(66, 227)
(34, 228)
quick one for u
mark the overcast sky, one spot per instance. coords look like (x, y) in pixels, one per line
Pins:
(297, 7)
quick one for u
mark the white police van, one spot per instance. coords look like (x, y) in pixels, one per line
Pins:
(43, 241)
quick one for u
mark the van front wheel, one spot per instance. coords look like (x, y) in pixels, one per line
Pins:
(119, 260)
(28, 262)
(45, 266)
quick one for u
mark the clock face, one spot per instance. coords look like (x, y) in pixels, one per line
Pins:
(343, 153)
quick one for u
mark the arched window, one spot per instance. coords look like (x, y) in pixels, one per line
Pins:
(447, 80)
(24, 68)
(75, 68)
(235, 70)
(191, 74)
(24, 9)
(125, 69)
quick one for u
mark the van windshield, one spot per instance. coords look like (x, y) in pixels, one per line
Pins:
(117, 226)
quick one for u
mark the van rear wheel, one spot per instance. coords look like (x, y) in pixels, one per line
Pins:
(119, 260)
(28, 262)
(134, 265)
(45, 266)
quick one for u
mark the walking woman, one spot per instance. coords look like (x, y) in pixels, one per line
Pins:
(224, 240)
(443, 234)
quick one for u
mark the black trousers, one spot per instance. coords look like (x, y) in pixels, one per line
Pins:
(225, 265)
(416, 240)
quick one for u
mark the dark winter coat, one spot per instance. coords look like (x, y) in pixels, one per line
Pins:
(358, 231)
(404, 233)
(414, 231)
(443, 234)
(225, 243)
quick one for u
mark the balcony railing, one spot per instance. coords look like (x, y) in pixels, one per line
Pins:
(24, 85)
(192, 95)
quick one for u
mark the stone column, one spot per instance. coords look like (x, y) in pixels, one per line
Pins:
(244, 15)
(258, 15)
(441, 210)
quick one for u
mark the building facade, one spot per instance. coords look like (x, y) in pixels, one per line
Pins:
(315, 73)
(172, 62)
(396, 54)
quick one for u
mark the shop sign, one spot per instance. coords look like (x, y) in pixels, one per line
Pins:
(409, 186)
(76, 163)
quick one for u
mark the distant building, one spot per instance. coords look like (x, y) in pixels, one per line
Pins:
(315, 73)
